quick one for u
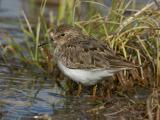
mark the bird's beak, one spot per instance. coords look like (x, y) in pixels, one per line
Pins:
(43, 44)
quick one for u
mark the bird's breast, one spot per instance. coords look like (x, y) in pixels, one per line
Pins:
(86, 77)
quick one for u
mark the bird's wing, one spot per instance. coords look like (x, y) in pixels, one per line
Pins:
(90, 54)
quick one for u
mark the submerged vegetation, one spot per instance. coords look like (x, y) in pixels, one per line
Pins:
(131, 31)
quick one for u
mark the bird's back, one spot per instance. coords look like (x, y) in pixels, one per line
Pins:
(89, 53)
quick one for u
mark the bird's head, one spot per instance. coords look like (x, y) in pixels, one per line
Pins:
(64, 33)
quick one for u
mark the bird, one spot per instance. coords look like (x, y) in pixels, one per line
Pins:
(84, 59)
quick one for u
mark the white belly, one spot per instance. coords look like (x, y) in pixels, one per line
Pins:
(86, 77)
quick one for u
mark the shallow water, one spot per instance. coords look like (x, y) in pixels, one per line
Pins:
(24, 96)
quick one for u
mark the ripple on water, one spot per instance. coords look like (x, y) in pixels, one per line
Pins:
(21, 96)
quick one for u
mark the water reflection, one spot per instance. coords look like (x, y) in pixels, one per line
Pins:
(20, 96)
(10, 8)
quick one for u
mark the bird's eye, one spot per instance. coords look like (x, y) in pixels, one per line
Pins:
(62, 34)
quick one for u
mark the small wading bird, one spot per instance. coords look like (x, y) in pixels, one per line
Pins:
(84, 59)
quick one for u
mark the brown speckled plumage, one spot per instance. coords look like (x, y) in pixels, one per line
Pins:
(83, 52)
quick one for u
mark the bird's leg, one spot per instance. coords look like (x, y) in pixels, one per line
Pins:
(79, 89)
(94, 91)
